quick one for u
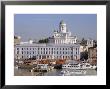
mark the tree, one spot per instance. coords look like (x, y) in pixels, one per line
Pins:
(83, 42)
(43, 40)
(84, 55)
(95, 43)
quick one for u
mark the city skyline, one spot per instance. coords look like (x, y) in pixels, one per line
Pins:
(37, 26)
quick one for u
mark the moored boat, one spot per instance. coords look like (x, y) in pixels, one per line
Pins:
(78, 66)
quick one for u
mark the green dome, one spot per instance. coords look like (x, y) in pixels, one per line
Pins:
(62, 22)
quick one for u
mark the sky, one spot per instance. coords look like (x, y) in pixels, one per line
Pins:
(38, 26)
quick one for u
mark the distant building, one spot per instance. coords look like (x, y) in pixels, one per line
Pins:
(92, 55)
(27, 42)
(17, 40)
(83, 48)
(90, 43)
(62, 45)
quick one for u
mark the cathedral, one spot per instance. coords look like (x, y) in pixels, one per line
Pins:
(63, 36)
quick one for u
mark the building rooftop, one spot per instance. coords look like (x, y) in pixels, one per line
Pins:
(48, 44)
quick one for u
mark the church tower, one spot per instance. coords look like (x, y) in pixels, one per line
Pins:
(62, 27)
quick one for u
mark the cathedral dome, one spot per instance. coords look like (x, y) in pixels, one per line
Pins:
(62, 22)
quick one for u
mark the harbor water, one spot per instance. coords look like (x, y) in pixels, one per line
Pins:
(54, 72)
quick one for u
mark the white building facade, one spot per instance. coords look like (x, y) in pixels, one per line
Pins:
(61, 46)
(47, 51)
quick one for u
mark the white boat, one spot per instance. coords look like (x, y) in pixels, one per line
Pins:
(16, 66)
(94, 67)
(72, 66)
(89, 66)
(78, 66)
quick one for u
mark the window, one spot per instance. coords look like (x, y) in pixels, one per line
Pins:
(17, 52)
(22, 48)
(17, 48)
(63, 48)
(60, 52)
(60, 48)
(27, 48)
(22, 52)
(57, 52)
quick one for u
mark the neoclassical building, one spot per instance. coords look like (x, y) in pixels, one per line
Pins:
(63, 36)
(61, 46)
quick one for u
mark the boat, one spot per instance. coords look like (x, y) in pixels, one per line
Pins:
(78, 66)
(17, 67)
(89, 66)
(72, 66)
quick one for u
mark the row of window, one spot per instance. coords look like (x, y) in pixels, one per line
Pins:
(47, 52)
(45, 48)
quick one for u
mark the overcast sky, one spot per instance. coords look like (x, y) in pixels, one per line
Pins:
(37, 26)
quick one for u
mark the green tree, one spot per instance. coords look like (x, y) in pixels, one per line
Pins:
(43, 40)
(95, 43)
(83, 42)
(84, 55)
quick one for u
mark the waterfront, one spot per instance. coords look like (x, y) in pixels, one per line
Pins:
(54, 72)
